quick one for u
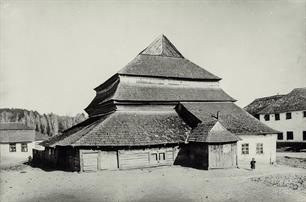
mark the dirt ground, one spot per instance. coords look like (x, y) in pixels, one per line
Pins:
(173, 183)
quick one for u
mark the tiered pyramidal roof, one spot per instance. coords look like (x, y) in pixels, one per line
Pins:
(162, 59)
(159, 98)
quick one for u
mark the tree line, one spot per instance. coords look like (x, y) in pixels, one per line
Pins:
(50, 124)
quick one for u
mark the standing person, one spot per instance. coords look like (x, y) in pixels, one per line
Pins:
(253, 164)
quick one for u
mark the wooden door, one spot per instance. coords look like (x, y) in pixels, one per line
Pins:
(90, 161)
(108, 160)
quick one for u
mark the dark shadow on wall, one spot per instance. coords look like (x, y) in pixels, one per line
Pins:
(192, 155)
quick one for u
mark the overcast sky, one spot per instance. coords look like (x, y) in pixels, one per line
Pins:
(53, 53)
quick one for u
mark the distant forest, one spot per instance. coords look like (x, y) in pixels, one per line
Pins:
(49, 124)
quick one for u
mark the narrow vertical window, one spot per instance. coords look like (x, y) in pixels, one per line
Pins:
(289, 135)
(277, 117)
(280, 136)
(288, 115)
(162, 156)
(12, 147)
(24, 147)
(304, 113)
(154, 157)
(259, 148)
(304, 135)
(245, 149)
(267, 117)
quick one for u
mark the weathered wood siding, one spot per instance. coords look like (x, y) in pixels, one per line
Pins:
(89, 160)
(146, 157)
(222, 155)
(108, 160)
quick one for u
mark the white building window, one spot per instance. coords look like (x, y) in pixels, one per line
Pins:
(304, 113)
(12, 147)
(288, 115)
(267, 117)
(277, 117)
(304, 135)
(245, 148)
(259, 148)
(289, 135)
(280, 136)
(24, 147)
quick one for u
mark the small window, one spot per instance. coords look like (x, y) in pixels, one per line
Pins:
(162, 156)
(289, 135)
(154, 156)
(277, 117)
(257, 116)
(304, 113)
(13, 147)
(245, 148)
(304, 135)
(288, 115)
(24, 147)
(259, 148)
(280, 136)
(267, 117)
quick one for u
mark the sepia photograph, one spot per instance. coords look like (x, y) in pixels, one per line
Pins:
(152, 101)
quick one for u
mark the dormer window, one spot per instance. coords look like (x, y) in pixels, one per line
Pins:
(267, 117)
(288, 115)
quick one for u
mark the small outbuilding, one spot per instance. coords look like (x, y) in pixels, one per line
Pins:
(210, 145)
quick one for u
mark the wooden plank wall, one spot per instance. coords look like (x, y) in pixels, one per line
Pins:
(143, 158)
(223, 156)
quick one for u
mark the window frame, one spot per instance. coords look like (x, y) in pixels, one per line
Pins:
(154, 156)
(288, 115)
(259, 148)
(24, 149)
(291, 133)
(12, 147)
(267, 117)
(245, 149)
(277, 116)
(278, 135)
(163, 154)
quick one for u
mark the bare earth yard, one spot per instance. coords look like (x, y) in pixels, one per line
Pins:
(155, 184)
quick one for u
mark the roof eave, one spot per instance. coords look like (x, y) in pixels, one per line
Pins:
(175, 78)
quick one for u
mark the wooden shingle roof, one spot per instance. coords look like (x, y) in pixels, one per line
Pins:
(212, 132)
(260, 103)
(16, 132)
(161, 46)
(162, 59)
(293, 101)
(130, 92)
(232, 117)
(126, 128)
